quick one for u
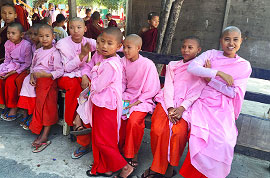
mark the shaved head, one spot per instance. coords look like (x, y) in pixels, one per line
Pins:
(77, 19)
(46, 26)
(115, 32)
(16, 25)
(136, 39)
(230, 29)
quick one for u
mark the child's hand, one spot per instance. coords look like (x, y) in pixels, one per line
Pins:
(85, 82)
(207, 65)
(85, 49)
(32, 80)
(226, 77)
(133, 104)
(177, 113)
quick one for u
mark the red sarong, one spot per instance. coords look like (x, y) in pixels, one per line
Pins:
(9, 91)
(188, 170)
(160, 135)
(27, 103)
(149, 39)
(46, 110)
(84, 140)
(105, 141)
(131, 134)
(73, 88)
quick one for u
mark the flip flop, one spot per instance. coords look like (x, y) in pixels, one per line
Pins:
(174, 173)
(41, 147)
(4, 112)
(12, 117)
(88, 173)
(78, 151)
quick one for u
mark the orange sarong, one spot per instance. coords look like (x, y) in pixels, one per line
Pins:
(73, 88)
(9, 91)
(46, 110)
(131, 134)
(160, 137)
(105, 141)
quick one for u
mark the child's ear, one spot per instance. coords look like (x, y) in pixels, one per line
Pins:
(85, 28)
(16, 15)
(199, 49)
(149, 21)
(119, 46)
(22, 34)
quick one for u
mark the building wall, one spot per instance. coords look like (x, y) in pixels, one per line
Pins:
(204, 18)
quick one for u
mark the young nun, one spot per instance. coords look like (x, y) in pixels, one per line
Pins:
(39, 92)
(169, 132)
(140, 85)
(74, 50)
(213, 132)
(17, 59)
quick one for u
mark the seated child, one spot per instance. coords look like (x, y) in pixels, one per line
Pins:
(74, 50)
(8, 14)
(213, 132)
(58, 30)
(112, 23)
(17, 59)
(105, 107)
(149, 34)
(169, 132)
(39, 92)
(140, 85)
(93, 28)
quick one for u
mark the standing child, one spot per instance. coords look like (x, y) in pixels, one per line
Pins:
(169, 132)
(106, 107)
(140, 85)
(8, 14)
(59, 30)
(17, 59)
(211, 118)
(74, 50)
(39, 92)
(149, 34)
(112, 23)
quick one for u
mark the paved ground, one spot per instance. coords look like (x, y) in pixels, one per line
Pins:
(17, 160)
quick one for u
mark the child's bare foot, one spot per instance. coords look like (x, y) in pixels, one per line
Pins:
(149, 174)
(77, 123)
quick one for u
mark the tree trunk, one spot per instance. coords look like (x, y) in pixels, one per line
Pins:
(170, 30)
(72, 8)
(164, 16)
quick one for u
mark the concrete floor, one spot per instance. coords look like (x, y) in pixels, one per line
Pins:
(17, 159)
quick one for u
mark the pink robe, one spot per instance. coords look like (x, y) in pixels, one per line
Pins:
(180, 89)
(17, 57)
(70, 53)
(140, 82)
(86, 69)
(49, 61)
(212, 117)
(106, 89)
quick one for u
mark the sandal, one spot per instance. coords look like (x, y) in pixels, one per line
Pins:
(9, 118)
(88, 173)
(41, 146)
(173, 174)
(155, 174)
(81, 130)
(132, 163)
(4, 112)
(80, 153)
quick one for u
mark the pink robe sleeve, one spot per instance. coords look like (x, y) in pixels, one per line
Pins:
(222, 87)
(196, 67)
(169, 88)
(87, 67)
(58, 66)
(71, 64)
(190, 99)
(26, 58)
(151, 85)
(124, 79)
(100, 81)
(7, 54)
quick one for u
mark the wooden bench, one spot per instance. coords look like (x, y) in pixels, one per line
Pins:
(254, 132)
